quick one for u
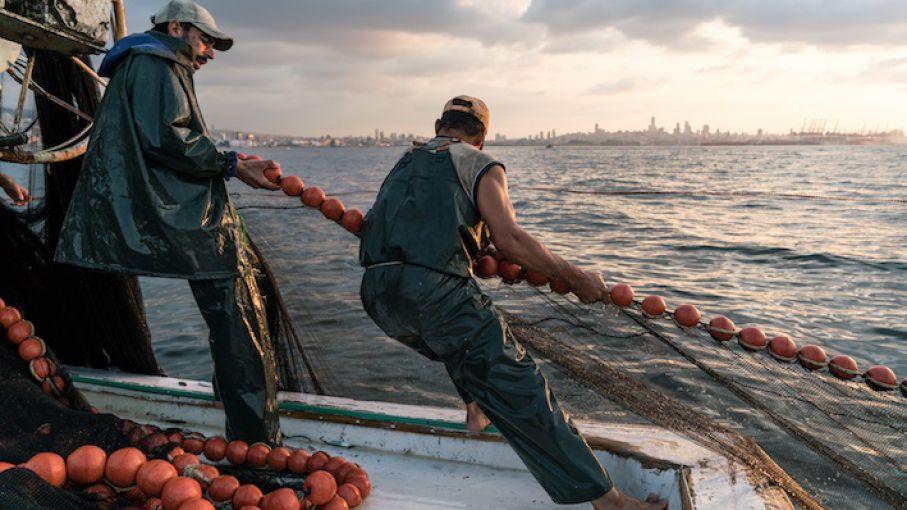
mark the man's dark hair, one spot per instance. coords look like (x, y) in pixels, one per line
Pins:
(162, 27)
(454, 119)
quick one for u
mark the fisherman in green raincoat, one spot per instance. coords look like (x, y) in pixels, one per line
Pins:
(151, 199)
(417, 244)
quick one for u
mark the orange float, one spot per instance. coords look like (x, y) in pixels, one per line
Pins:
(509, 271)
(622, 295)
(334, 465)
(153, 475)
(752, 339)
(9, 316)
(337, 503)
(175, 452)
(317, 461)
(487, 266)
(2, 304)
(179, 490)
(204, 474)
(123, 465)
(843, 367)
(536, 279)
(154, 441)
(19, 331)
(272, 174)
(223, 488)
(49, 466)
(5, 465)
(653, 306)
(783, 348)
(180, 462)
(280, 499)
(215, 448)
(559, 287)
(53, 385)
(352, 220)
(313, 197)
(687, 316)
(298, 461)
(257, 455)
(812, 357)
(277, 458)
(350, 493)
(344, 470)
(247, 495)
(85, 465)
(332, 209)
(320, 486)
(881, 378)
(722, 329)
(153, 504)
(360, 479)
(197, 504)
(194, 443)
(31, 348)
(292, 186)
(41, 368)
(237, 451)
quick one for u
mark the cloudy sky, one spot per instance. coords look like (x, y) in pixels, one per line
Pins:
(348, 66)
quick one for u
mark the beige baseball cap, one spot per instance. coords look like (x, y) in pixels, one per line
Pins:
(471, 105)
(185, 11)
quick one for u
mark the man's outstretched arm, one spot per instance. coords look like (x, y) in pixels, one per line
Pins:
(516, 245)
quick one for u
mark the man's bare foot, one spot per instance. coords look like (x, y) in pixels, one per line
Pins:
(615, 500)
(476, 421)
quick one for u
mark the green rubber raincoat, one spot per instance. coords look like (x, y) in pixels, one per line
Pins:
(151, 197)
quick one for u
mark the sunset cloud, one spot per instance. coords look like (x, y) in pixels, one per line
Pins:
(348, 67)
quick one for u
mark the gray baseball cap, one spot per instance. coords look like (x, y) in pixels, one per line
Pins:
(185, 11)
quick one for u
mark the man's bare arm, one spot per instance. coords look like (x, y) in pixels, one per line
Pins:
(516, 245)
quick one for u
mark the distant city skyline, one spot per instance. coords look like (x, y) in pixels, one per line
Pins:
(808, 127)
(812, 133)
(307, 68)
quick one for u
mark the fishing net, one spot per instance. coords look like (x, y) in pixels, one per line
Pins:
(33, 422)
(828, 443)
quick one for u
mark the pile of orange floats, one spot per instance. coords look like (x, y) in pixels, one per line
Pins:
(32, 350)
(331, 207)
(183, 482)
(721, 328)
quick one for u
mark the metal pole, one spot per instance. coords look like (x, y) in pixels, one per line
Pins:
(119, 17)
(88, 70)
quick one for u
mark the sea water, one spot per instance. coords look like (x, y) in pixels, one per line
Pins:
(805, 241)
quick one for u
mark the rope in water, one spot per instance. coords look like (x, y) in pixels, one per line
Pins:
(686, 316)
(680, 193)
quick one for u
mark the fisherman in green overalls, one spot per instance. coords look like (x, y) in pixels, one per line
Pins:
(417, 245)
(151, 199)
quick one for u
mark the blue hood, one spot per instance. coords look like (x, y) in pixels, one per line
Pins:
(143, 43)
